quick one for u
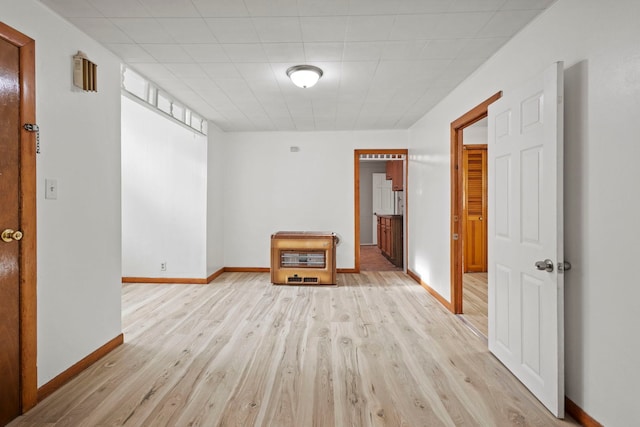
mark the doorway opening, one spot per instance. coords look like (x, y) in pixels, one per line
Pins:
(474, 219)
(469, 216)
(380, 181)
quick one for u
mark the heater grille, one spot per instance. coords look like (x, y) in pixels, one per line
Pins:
(85, 73)
(298, 279)
(307, 259)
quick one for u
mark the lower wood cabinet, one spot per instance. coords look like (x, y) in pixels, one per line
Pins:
(390, 238)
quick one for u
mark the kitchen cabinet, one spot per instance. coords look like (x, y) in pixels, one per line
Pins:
(394, 173)
(390, 238)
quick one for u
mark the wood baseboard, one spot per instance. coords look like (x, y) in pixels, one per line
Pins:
(66, 376)
(268, 270)
(183, 281)
(579, 415)
(214, 275)
(247, 269)
(211, 277)
(432, 291)
(178, 280)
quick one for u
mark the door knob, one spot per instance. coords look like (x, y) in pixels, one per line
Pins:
(8, 235)
(546, 265)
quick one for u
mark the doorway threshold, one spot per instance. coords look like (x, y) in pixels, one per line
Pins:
(473, 329)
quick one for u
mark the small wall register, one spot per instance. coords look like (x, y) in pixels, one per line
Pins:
(85, 73)
(303, 258)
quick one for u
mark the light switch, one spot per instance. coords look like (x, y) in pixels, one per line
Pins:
(51, 189)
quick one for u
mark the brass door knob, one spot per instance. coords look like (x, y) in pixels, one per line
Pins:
(8, 235)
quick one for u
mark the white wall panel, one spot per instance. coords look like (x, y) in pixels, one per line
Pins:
(215, 199)
(79, 233)
(598, 43)
(268, 188)
(164, 196)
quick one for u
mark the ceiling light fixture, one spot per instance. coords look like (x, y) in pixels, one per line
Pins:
(304, 76)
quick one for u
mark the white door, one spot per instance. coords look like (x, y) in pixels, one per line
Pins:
(382, 200)
(526, 304)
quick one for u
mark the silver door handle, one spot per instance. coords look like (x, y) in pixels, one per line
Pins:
(546, 265)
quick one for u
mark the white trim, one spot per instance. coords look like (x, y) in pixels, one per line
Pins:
(151, 101)
(369, 157)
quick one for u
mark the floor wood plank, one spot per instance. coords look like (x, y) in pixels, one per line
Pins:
(377, 350)
(371, 259)
(474, 301)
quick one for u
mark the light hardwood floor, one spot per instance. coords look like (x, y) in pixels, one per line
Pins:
(377, 350)
(474, 301)
(371, 259)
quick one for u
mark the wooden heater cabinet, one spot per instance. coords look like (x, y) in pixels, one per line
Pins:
(303, 258)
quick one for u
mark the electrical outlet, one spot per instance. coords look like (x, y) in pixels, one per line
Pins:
(163, 266)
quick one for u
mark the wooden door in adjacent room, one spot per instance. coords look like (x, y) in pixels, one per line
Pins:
(18, 371)
(475, 208)
(10, 404)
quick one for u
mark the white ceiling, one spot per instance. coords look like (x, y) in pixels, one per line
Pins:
(385, 62)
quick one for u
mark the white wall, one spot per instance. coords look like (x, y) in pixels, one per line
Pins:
(598, 41)
(79, 263)
(164, 196)
(215, 200)
(477, 133)
(79, 233)
(269, 189)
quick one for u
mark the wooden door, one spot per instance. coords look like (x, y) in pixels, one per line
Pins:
(10, 399)
(526, 300)
(475, 209)
(18, 342)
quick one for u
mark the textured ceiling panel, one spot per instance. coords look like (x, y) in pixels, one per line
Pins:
(385, 62)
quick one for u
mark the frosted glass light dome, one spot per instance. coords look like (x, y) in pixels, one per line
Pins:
(304, 76)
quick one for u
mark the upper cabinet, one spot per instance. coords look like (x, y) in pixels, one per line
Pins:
(394, 173)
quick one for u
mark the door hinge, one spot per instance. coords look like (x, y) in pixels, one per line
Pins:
(564, 266)
(455, 236)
